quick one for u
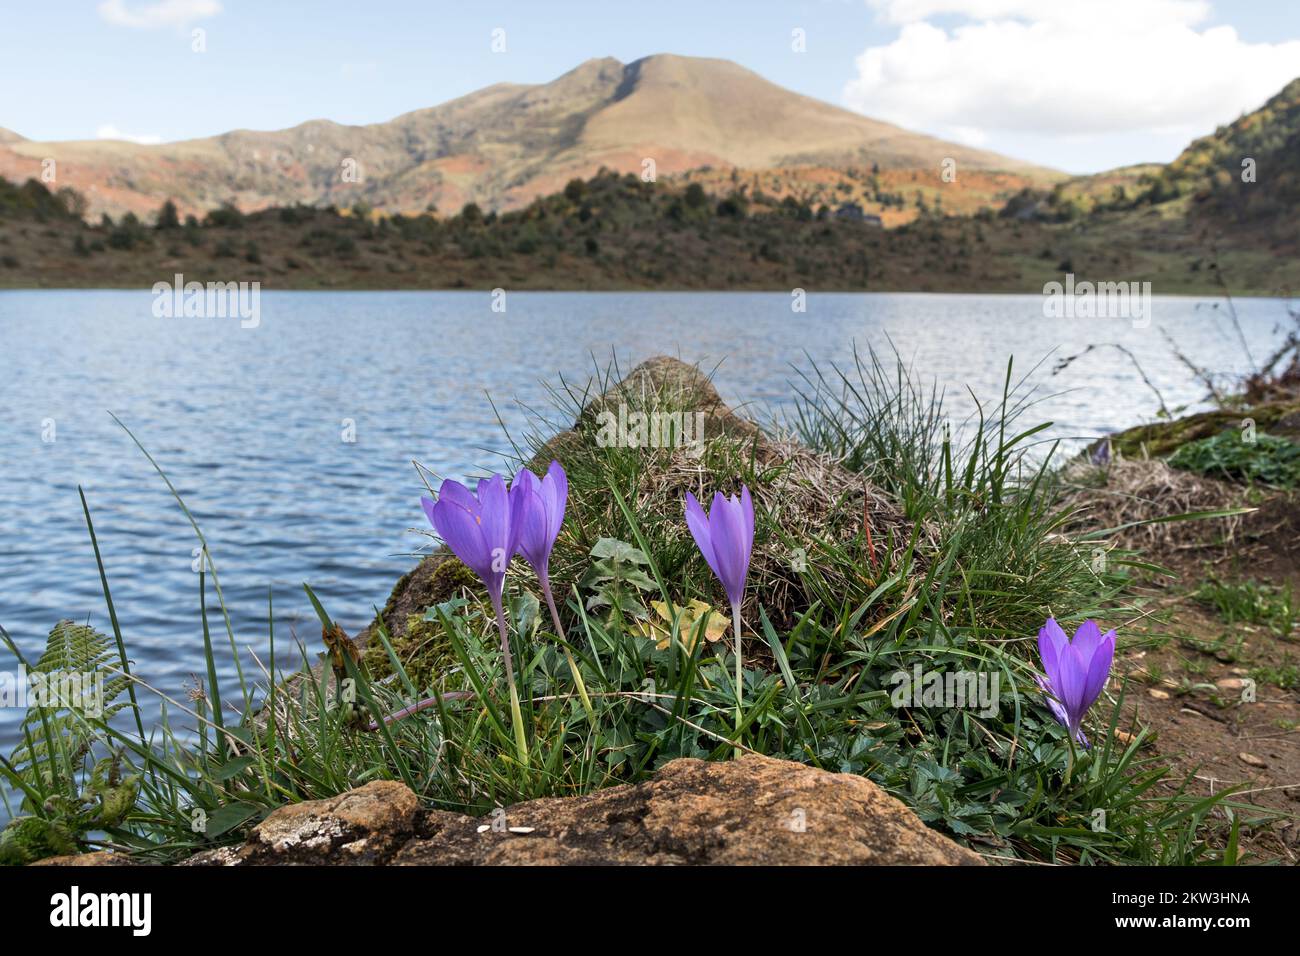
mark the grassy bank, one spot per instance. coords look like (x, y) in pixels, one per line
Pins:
(880, 546)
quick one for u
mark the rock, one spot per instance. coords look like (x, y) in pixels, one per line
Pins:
(660, 379)
(362, 826)
(756, 810)
(813, 495)
(1250, 760)
(1230, 684)
(98, 858)
(1158, 694)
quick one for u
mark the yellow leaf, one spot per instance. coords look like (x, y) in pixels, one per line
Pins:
(688, 622)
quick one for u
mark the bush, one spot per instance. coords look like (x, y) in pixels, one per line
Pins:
(168, 218)
(122, 238)
(225, 216)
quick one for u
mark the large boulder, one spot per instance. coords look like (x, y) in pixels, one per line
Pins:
(755, 811)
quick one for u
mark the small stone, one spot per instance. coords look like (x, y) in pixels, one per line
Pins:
(484, 828)
(1251, 760)
(1230, 684)
(1158, 694)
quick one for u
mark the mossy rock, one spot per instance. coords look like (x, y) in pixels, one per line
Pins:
(423, 649)
(420, 645)
(1161, 439)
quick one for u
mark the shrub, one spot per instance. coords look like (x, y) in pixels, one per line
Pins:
(168, 218)
(225, 216)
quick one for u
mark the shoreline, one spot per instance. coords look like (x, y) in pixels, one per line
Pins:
(1213, 292)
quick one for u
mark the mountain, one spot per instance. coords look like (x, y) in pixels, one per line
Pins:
(507, 144)
(1248, 171)
(1244, 175)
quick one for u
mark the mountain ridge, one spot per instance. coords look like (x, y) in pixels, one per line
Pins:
(505, 144)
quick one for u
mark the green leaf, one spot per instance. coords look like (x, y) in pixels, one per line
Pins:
(226, 818)
(233, 768)
(619, 551)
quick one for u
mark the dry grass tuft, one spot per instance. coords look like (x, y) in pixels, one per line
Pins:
(810, 499)
(1139, 490)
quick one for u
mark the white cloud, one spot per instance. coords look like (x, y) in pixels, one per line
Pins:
(1064, 69)
(108, 131)
(165, 13)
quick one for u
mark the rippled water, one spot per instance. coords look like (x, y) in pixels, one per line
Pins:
(248, 424)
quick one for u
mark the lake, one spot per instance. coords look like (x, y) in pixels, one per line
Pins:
(251, 424)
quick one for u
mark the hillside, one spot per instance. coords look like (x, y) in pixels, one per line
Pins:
(505, 145)
(613, 232)
(1190, 227)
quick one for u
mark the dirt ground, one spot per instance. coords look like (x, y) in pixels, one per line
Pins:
(1218, 686)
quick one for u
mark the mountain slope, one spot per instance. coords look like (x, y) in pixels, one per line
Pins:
(504, 145)
(1248, 171)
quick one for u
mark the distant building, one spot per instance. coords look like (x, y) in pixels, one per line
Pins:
(852, 211)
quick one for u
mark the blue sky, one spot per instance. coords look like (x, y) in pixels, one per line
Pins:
(1081, 85)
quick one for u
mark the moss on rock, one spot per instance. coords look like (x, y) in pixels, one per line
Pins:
(1160, 439)
(420, 645)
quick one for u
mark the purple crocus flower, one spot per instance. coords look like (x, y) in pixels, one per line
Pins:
(543, 504)
(1075, 671)
(483, 531)
(725, 536)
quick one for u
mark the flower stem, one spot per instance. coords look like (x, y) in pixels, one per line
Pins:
(516, 715)
(559, 632)
(1069, 766)
(740, 680)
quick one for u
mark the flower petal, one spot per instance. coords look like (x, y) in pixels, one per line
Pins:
(1053, 704)
(1050, 641)
(698, 523)
(532, 543)
(728, 527)
(1098, 669)
(1069, 684)
(555, 492)
(747, 510)
(495, 505)
(1086, 639)
(459, 528)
